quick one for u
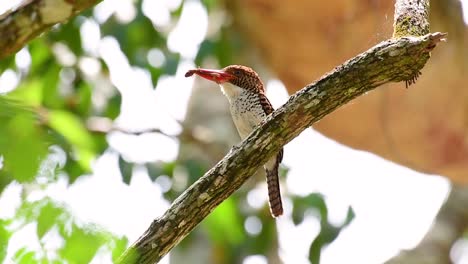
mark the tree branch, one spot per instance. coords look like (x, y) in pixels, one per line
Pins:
(33, 18)
(390, 61)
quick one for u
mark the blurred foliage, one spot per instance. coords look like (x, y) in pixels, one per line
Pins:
(51, 108)
(328, 232)
(53, 222)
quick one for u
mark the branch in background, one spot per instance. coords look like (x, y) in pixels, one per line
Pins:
(32, 18)
(106, 125)
(450, 224)
(392, 60)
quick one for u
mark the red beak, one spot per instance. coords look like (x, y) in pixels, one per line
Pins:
(218, 76)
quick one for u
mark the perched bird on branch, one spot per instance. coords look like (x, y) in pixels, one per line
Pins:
(249, 107)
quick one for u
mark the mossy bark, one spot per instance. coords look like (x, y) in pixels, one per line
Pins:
(411, 18)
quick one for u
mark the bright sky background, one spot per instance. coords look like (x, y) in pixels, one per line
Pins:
(394, 206)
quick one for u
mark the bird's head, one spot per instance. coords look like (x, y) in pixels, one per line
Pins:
(238, 75)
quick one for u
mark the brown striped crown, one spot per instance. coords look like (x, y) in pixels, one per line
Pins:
(245, 77)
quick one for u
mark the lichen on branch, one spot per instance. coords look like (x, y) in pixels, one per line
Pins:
(411, 18)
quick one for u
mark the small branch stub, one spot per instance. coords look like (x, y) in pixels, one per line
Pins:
(411, 19)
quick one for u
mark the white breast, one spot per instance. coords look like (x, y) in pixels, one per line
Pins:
(245, 106)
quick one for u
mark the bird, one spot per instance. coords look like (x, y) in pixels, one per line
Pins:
(249, 107)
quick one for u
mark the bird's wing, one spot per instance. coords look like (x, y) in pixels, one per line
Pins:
(265, 103)
(268, 108)
(274, 193)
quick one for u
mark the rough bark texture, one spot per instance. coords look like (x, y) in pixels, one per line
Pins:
(409, 13)
(450, 224)
(393, 60)
(423, 128)
(34, 17)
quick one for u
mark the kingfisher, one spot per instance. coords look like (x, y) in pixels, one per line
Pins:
(249, 107)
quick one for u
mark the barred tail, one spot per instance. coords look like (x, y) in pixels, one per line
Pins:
(274, 194)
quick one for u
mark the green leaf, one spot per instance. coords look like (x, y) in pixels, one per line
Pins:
(22, 146)
(206, 50)
(28, 92)
(195, 169)
(158, 168)
(172, 63)
(51, 96)
(154, 170)
(5, 178)
(28, 212)
(84, 158)
(224, 224)
(225, 46)
(126, 170)
(80, 246)
(25, 256)
(69, 34)
(209, 4)
(118, 247)
(311, 201)
(75, 166)
(113, 107)
(317, 201)
(349, 217)
(40, 55)
(48, 217)
(9, 108)
(328, 233)
(267, 238)
(74, 131)
(155, 74)
(72, 128)
(168, 168)
(80, 243)
(73, 169)
(8, 62)
(84, 94)
(4, 238)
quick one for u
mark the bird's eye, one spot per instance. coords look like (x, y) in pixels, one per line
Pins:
(237, 72)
